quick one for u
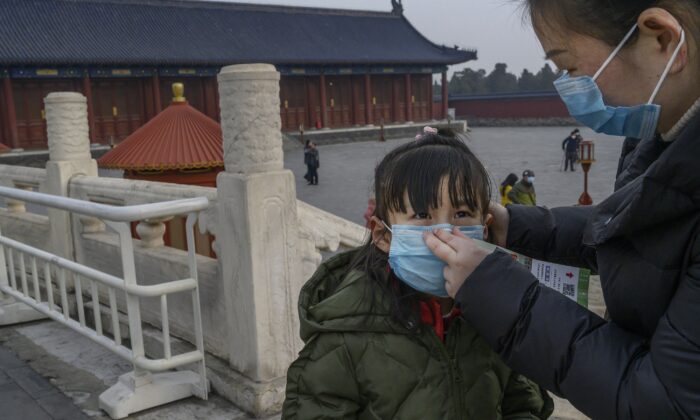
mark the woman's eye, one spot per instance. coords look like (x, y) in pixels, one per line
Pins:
(461, 215)
(422, 216)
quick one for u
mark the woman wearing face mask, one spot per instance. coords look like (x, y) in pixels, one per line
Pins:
(632, 70)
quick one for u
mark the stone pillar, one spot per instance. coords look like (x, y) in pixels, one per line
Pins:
(259, 235)
(69, 155)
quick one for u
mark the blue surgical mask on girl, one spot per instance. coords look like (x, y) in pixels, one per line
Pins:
(414, 263)
(531, 180)
(584, 101)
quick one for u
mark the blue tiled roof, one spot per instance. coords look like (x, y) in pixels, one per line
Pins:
(175, 32)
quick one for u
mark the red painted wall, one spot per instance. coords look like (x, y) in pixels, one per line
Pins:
(509, 107)
(122, 105)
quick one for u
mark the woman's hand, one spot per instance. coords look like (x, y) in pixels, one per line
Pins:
(461, 254)
(499, 227)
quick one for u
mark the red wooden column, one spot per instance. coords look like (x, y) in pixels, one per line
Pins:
(87, 91)
(156, 93)
(430, 97)
(354, 91)
(310, 108)
(444, 94)
(368, 100)
(409, 99)
(394, 100)
(324, 114)
(216, 99)
(11, 113)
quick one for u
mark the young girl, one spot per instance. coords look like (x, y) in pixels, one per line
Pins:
(505, 188)
(383, 341)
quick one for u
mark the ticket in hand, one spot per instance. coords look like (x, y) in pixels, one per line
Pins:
(572, 282)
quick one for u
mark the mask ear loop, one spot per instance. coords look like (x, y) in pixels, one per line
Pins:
(388, 228)
(615, 52)
(668, 68)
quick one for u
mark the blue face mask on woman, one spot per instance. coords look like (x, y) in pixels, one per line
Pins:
(414, 263)
(584, 101)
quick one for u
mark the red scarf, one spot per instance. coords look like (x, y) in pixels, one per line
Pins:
(431, 311)
(431, 314)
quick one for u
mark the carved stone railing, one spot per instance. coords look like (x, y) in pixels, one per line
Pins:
(24, 178)
(123, 192)
(328, 232)
(19, 222)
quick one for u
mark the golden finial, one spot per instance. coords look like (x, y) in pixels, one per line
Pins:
(178, 92)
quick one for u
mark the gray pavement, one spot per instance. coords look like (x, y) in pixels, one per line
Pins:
(78, 371)
(346, 170)
(25, 394)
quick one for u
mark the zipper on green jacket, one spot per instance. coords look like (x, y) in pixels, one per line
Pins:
(451, 349)
(453, 372)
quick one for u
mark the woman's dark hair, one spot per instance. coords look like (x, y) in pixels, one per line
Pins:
(607, 20)
(418, 170)
(510, 180)
(307, 144)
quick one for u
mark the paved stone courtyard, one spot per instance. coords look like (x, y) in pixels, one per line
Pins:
(346, 170)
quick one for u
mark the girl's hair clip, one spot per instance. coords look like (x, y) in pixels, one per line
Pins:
(426, 130)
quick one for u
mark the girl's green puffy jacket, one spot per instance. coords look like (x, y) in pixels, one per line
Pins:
(360, 364)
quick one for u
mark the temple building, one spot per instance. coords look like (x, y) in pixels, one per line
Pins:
(340, 68)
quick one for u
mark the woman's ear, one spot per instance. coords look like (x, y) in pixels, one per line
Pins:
(662, 31)
(487, 223)
(381, 237)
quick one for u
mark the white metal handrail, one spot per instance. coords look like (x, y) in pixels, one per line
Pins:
(22, 266)
(107, 212)
(107, 279)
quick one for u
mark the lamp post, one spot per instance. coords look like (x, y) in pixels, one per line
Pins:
(587, 153)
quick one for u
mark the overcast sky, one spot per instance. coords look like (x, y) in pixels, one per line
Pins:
(493, 27)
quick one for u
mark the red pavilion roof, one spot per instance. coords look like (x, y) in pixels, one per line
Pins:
(180, 137)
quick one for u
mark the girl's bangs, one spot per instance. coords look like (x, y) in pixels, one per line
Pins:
(420, 173)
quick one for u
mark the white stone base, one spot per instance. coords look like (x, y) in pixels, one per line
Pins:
(14, 312)
(132, 394)
(260, 399)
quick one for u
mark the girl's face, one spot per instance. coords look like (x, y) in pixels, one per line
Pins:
(446, 213)
(460, 215)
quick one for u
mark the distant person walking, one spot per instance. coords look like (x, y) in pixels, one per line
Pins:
(307, 175)
(506, 187)
(570, 147)
(312, 161)
(523, 192)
